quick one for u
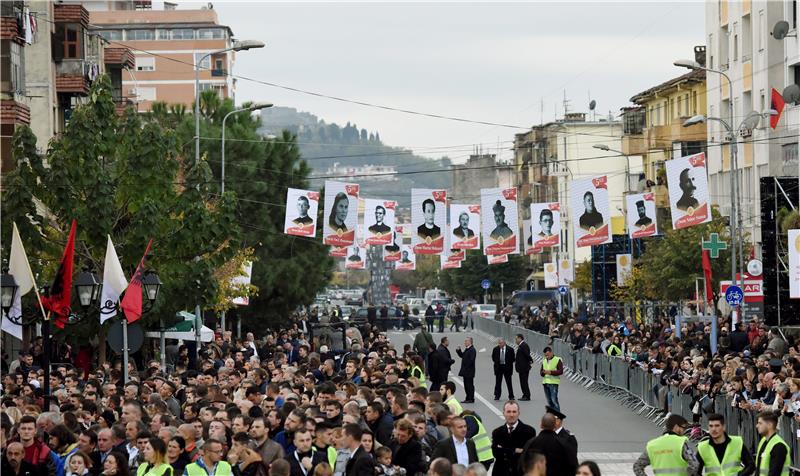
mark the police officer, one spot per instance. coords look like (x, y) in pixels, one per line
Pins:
(773, 457)
(563, 434)
(722, 454)
(670, 454)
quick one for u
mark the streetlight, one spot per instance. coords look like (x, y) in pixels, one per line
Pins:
(8, 291)
(152, 285)
(253, 107)
(87, 287)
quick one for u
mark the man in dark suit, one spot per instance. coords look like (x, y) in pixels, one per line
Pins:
(458, 449)
(305, 457)
(508, 441)
(503, 359)
(522, 362)
(443, 363)
(554, 448)
(564, 434)
(467, 371)
(361, 462)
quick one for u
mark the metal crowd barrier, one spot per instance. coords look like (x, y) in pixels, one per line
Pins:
(639, 390)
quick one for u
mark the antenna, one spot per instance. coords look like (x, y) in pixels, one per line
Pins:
(566, 104)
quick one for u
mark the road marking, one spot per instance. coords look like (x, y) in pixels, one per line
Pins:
(488, 404)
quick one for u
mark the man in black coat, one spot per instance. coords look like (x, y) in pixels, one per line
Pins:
(503, 360)
(361, 463)
(467, 371)
(508, 440)
(566, 436)
(443, 363)
(522, 362)
(406, 448)
(304, 458)
(446, 448)
(554, 448)
(738, 338)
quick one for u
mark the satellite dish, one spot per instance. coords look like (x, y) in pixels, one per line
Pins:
(792, 94)
(780, 30)
(135, 337)
(592, 104)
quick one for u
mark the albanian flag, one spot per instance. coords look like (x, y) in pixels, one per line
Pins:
(776, 103)
(131, 304)
(58, 300)
(707, 275)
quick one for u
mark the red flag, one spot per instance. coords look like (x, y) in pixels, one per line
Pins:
(58, 300)
(777, 103)
(707, 275)
(131, 304)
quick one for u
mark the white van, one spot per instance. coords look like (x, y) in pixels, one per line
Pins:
(432, 294)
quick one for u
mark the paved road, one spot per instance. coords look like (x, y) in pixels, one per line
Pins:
(607, 432)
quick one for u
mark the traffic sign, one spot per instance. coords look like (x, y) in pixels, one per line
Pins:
(485, 284)
(734, 295)
(563, 290)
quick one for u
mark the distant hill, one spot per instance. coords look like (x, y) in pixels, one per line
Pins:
(328, 145)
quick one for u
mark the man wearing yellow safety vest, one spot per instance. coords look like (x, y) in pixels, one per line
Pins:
(551, 371)
(448, 391)
(722, 454)
(210, 463)
(477, 433)
(773, 457)
(670, 454)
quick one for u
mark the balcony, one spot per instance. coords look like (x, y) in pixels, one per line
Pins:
(634, 144)
(13, 112)
(662, 137)
(71, 77)
(218, 73)
(71, 14)
(10, 31)
(120, 57)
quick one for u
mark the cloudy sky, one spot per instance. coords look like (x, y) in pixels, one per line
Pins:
(486, 62)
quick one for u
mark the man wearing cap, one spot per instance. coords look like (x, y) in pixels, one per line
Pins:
(565, 435)
(670, 453)
(773, 456)
(721, 454)
(554, 448)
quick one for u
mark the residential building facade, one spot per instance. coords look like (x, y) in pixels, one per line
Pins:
(14, 108)
(479, 171)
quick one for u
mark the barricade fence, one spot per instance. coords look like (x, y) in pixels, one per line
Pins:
(640, 390)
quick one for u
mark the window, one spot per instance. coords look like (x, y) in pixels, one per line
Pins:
(163, 34)
(210, 34)
(72, 44)
(694, 102)
(141, 35)
(183, 34)
(710, 49)
(735, 47)
(205, 86)
(146, 94)
(12, 73)
(762, 103)
(145, 63)
(747, 38)
(796, 73)
(762, 29)
(724, 48)
(111, 35)
(202, 60)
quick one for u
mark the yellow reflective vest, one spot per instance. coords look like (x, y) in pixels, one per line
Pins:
(551, 364)
(483, 444)
(146, 469)
(419, 374)
(223, 469)
(666, 455)
(455, 407)
(731, 463)
(614, 351)
(762, 462)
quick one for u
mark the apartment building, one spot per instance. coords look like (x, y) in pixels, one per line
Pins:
(14, 108)
(479, 171)
(740, 44)
(167, 44)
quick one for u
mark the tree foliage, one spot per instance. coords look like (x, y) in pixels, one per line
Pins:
(465, 282)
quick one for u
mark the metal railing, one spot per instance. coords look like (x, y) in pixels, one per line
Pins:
(641, 391)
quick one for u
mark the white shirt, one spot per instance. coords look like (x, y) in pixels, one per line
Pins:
(462, 452)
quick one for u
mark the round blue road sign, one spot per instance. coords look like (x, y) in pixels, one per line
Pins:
(485, 284)
(734, 295)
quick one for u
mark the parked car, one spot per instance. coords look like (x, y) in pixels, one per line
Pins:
(488, 311)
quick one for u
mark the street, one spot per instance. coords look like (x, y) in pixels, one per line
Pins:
(607, 433)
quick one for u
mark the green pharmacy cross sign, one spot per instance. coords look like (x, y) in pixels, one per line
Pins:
(714, 245)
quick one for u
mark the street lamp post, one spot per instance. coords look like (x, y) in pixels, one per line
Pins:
(243, 45)
(251, 108)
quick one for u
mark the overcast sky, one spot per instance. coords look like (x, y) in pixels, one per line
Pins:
(487, 62)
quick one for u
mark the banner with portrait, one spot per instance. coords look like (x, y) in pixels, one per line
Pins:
(545, 224)
(641, 215)
(338, 251)
(497, 259)
(794, 264)
(465, 226)
(301, 212)
(378, 221)
(566, 272)
(428, 220)
(356, 257)
(527, 241)
(624, 268)
(551, 275)
(591, 216)
(687, 180)
(340, 213)
(391, 252)
(446, 263)
(408, 260)
(500, 220)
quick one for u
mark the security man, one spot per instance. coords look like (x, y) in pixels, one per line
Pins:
(722, 454)
(670, 454)
(477, 433)
(448, 390)
(773, 457)
(566, 437)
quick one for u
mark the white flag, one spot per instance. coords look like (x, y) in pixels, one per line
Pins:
(20, 268)
(114, 283)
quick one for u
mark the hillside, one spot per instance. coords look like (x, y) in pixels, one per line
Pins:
(335, 150)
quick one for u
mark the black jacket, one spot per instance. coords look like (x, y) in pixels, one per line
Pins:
(361, 464)
(738, 341)
(295, 467)
(382, 428)
(467, 362)
(504, 444)
(523, 359)
(443, 362)
(447, 449)
(408, 456)
(509, 365)
(26, 469)
(554, 449)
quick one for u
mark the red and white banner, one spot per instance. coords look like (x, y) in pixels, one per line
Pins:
(545, 224)
(356, 257)
(465, 226)
(338, 251)
(590, 211)
(641, 217)
(378, 221)
(408, 260)
(301, 212)
(341, 213)
(500, 220)
(391, 252)
(497, 259)
(446, 263)
(688, 191)
(429, 220)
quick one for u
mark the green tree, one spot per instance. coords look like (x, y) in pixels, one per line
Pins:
(426, 275)
(583, 278)
(465, 282)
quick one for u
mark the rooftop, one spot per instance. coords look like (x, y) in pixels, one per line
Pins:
(694, 76)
